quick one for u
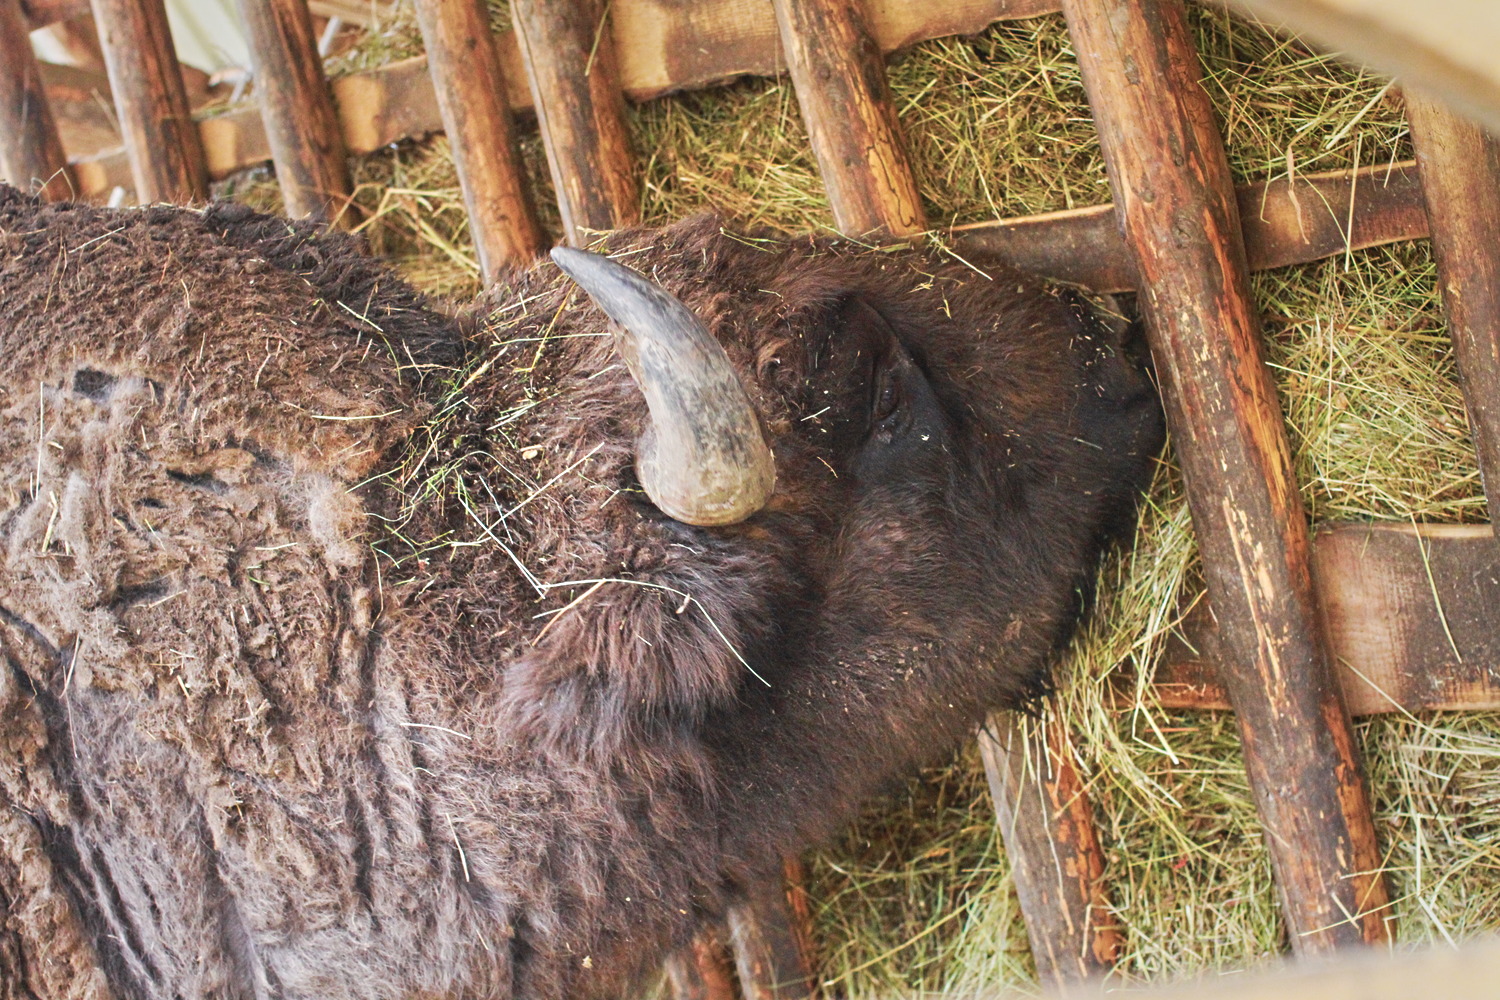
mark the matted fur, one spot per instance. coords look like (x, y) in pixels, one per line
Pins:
(345, 657)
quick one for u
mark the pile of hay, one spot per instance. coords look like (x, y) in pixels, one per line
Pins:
(918, 896)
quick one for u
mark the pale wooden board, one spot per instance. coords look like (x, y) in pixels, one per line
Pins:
(1412, 615)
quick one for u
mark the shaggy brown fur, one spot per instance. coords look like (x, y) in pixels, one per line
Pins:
(345, 658)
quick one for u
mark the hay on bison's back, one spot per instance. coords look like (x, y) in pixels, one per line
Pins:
(917, 896)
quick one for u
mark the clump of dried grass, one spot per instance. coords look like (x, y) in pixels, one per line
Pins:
(917, 896)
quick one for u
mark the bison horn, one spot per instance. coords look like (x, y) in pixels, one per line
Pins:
(703, 459)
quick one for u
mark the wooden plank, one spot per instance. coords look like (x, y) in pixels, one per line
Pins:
(1047, 824)
(1176, 205)
(306, 145)
(1285, 221)
(702, 970)
(770, 939)
(1461, 178)
(472, 96)
(1446, 47)
(569, 52)
(839, 76)
(161, 141)
(41, 13)
(31, 151)
(1410, 616)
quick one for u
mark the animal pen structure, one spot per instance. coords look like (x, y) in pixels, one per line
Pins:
(1303, 630)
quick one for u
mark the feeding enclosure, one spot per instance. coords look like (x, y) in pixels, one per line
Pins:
(1316, 547)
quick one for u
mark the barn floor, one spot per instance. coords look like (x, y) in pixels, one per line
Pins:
(917, 896)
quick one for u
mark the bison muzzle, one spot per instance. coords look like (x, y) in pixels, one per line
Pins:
(357, 649)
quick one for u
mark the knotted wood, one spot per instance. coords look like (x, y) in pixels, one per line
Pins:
(31, 153)
(839, 76)
(1460, 165)
(1176, 205)
(569, 52)
(306, 144)
(1047, 824)
(471, 96)
(161, 139)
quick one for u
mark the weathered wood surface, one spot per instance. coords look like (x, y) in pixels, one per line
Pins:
(161, 140)
(770, 937)
(80, 100)
(1176, 205)
(1047, 824)
(471, 95)
(295, 105)
(702, 970)
(1461, 177)
(838, 73)
(1285, 221)
(40, 13)
(31, 151)
(569, 53)
(1410, 615)
(1447, 47)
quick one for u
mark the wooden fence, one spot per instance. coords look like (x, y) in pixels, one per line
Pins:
(1406, 613)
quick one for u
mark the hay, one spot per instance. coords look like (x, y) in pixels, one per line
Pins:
(917, 896)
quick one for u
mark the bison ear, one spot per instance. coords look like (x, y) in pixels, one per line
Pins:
(703, 458)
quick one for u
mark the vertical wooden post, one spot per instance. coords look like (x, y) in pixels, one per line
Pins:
(1176, 205)
(575, 84)
(161, 138)
(701, 971)
(839, 75)
(1460, 165)
(771, 937)
(297, 109)
(470, 89)
(31, 154)
(1047, 823)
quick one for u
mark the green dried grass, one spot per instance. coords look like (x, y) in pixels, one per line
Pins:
(917, 895)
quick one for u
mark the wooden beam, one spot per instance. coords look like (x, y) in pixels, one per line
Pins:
(1461, 177)
(1446, 47)
(161, 140)
(31, 153)
(769, 934)
(303, 133)
(1285, 221)
(1410, 616)
(41, 13)
(471, 94)
(1176, 205)
(569, 51)
(1047, 824)
(839, 76)
(702, 970)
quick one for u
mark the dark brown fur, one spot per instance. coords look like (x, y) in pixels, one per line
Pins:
(281, 716)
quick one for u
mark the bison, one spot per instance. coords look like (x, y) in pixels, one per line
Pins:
(357, 649)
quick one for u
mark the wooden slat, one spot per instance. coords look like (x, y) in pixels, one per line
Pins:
(298, 113)
(161, 141)
(1446, 47)
(1284, 222)
(770, 939)
(1176, 204)
(702, 970)
(839, 76)
(569, 52)
(31, 153)
(1410, 614)
(1461, 178)
(471, 93)
(40, 13)
(1047, 823)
